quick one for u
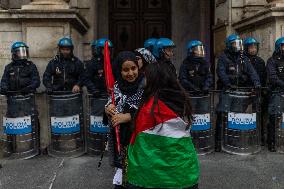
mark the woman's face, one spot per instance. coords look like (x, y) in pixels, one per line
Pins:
(129, 71)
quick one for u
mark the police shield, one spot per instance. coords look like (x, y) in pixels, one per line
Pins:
(66, 125)
(276, 111)
(96, 131)
(202, 130)
(241, 122)
(20, 130)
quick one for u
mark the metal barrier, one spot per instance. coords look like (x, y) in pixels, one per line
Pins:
(66, 124)
(202, 130)
(240, 122)
(20, 126)
(96, 131)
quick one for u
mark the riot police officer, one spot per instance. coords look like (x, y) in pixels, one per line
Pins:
(251, 47)
(65, 72)
(195, 75)
(234, 71)
(164, 52)
(150, 43)
(21, 75)
(94, 71)
(275, 73)
(233, 68)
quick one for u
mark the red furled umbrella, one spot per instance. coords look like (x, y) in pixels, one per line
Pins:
(110, 85)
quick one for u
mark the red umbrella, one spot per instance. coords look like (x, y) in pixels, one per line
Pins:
(110, 85)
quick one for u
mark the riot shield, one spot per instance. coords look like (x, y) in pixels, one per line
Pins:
(202, 130)
(66, 125)
(20, 130)
(276, 110)
(96, 131)
(241, 125)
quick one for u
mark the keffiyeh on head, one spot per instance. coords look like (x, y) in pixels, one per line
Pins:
(146, 55)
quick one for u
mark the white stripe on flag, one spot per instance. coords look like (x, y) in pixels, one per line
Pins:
(174, 128)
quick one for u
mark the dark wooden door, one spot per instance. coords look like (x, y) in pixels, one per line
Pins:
(133, 21)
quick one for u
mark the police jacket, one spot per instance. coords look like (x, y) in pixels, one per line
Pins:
(95, 76)
(195, 74)
(62, 74)
(275, 72)
(235, 70)
(19, 75)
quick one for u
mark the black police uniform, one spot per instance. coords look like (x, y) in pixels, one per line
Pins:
(62, 74)
(195, 77)
(20, 76)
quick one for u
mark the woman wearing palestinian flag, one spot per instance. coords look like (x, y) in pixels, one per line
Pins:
(128, 90)
(161, 153)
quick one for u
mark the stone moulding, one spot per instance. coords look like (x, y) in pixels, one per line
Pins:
(261, 17)
(70, 15)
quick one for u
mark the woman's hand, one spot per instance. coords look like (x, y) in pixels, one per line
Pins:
(120, 118)
(110, 110)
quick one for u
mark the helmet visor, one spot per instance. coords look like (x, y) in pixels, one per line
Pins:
(237, 45)
(198, 51)
(21, 53)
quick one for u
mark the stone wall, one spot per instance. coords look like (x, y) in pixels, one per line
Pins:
(229, 12)
(190, 21)
(9, 32)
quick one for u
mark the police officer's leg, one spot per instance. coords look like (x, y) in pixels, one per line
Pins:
(271, 133)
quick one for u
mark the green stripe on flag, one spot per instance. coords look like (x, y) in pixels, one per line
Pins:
(162, 162)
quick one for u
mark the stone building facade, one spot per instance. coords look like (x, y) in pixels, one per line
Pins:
(40, 23)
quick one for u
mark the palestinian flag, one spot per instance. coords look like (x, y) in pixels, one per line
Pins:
(161, 153)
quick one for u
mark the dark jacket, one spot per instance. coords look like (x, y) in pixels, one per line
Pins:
(95, 76)
(260, 68)
(20, 75)
(275, 72)
(62, 75)
(235, 70)
(195, 74)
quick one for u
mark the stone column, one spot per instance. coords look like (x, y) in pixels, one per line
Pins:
(47, 4)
